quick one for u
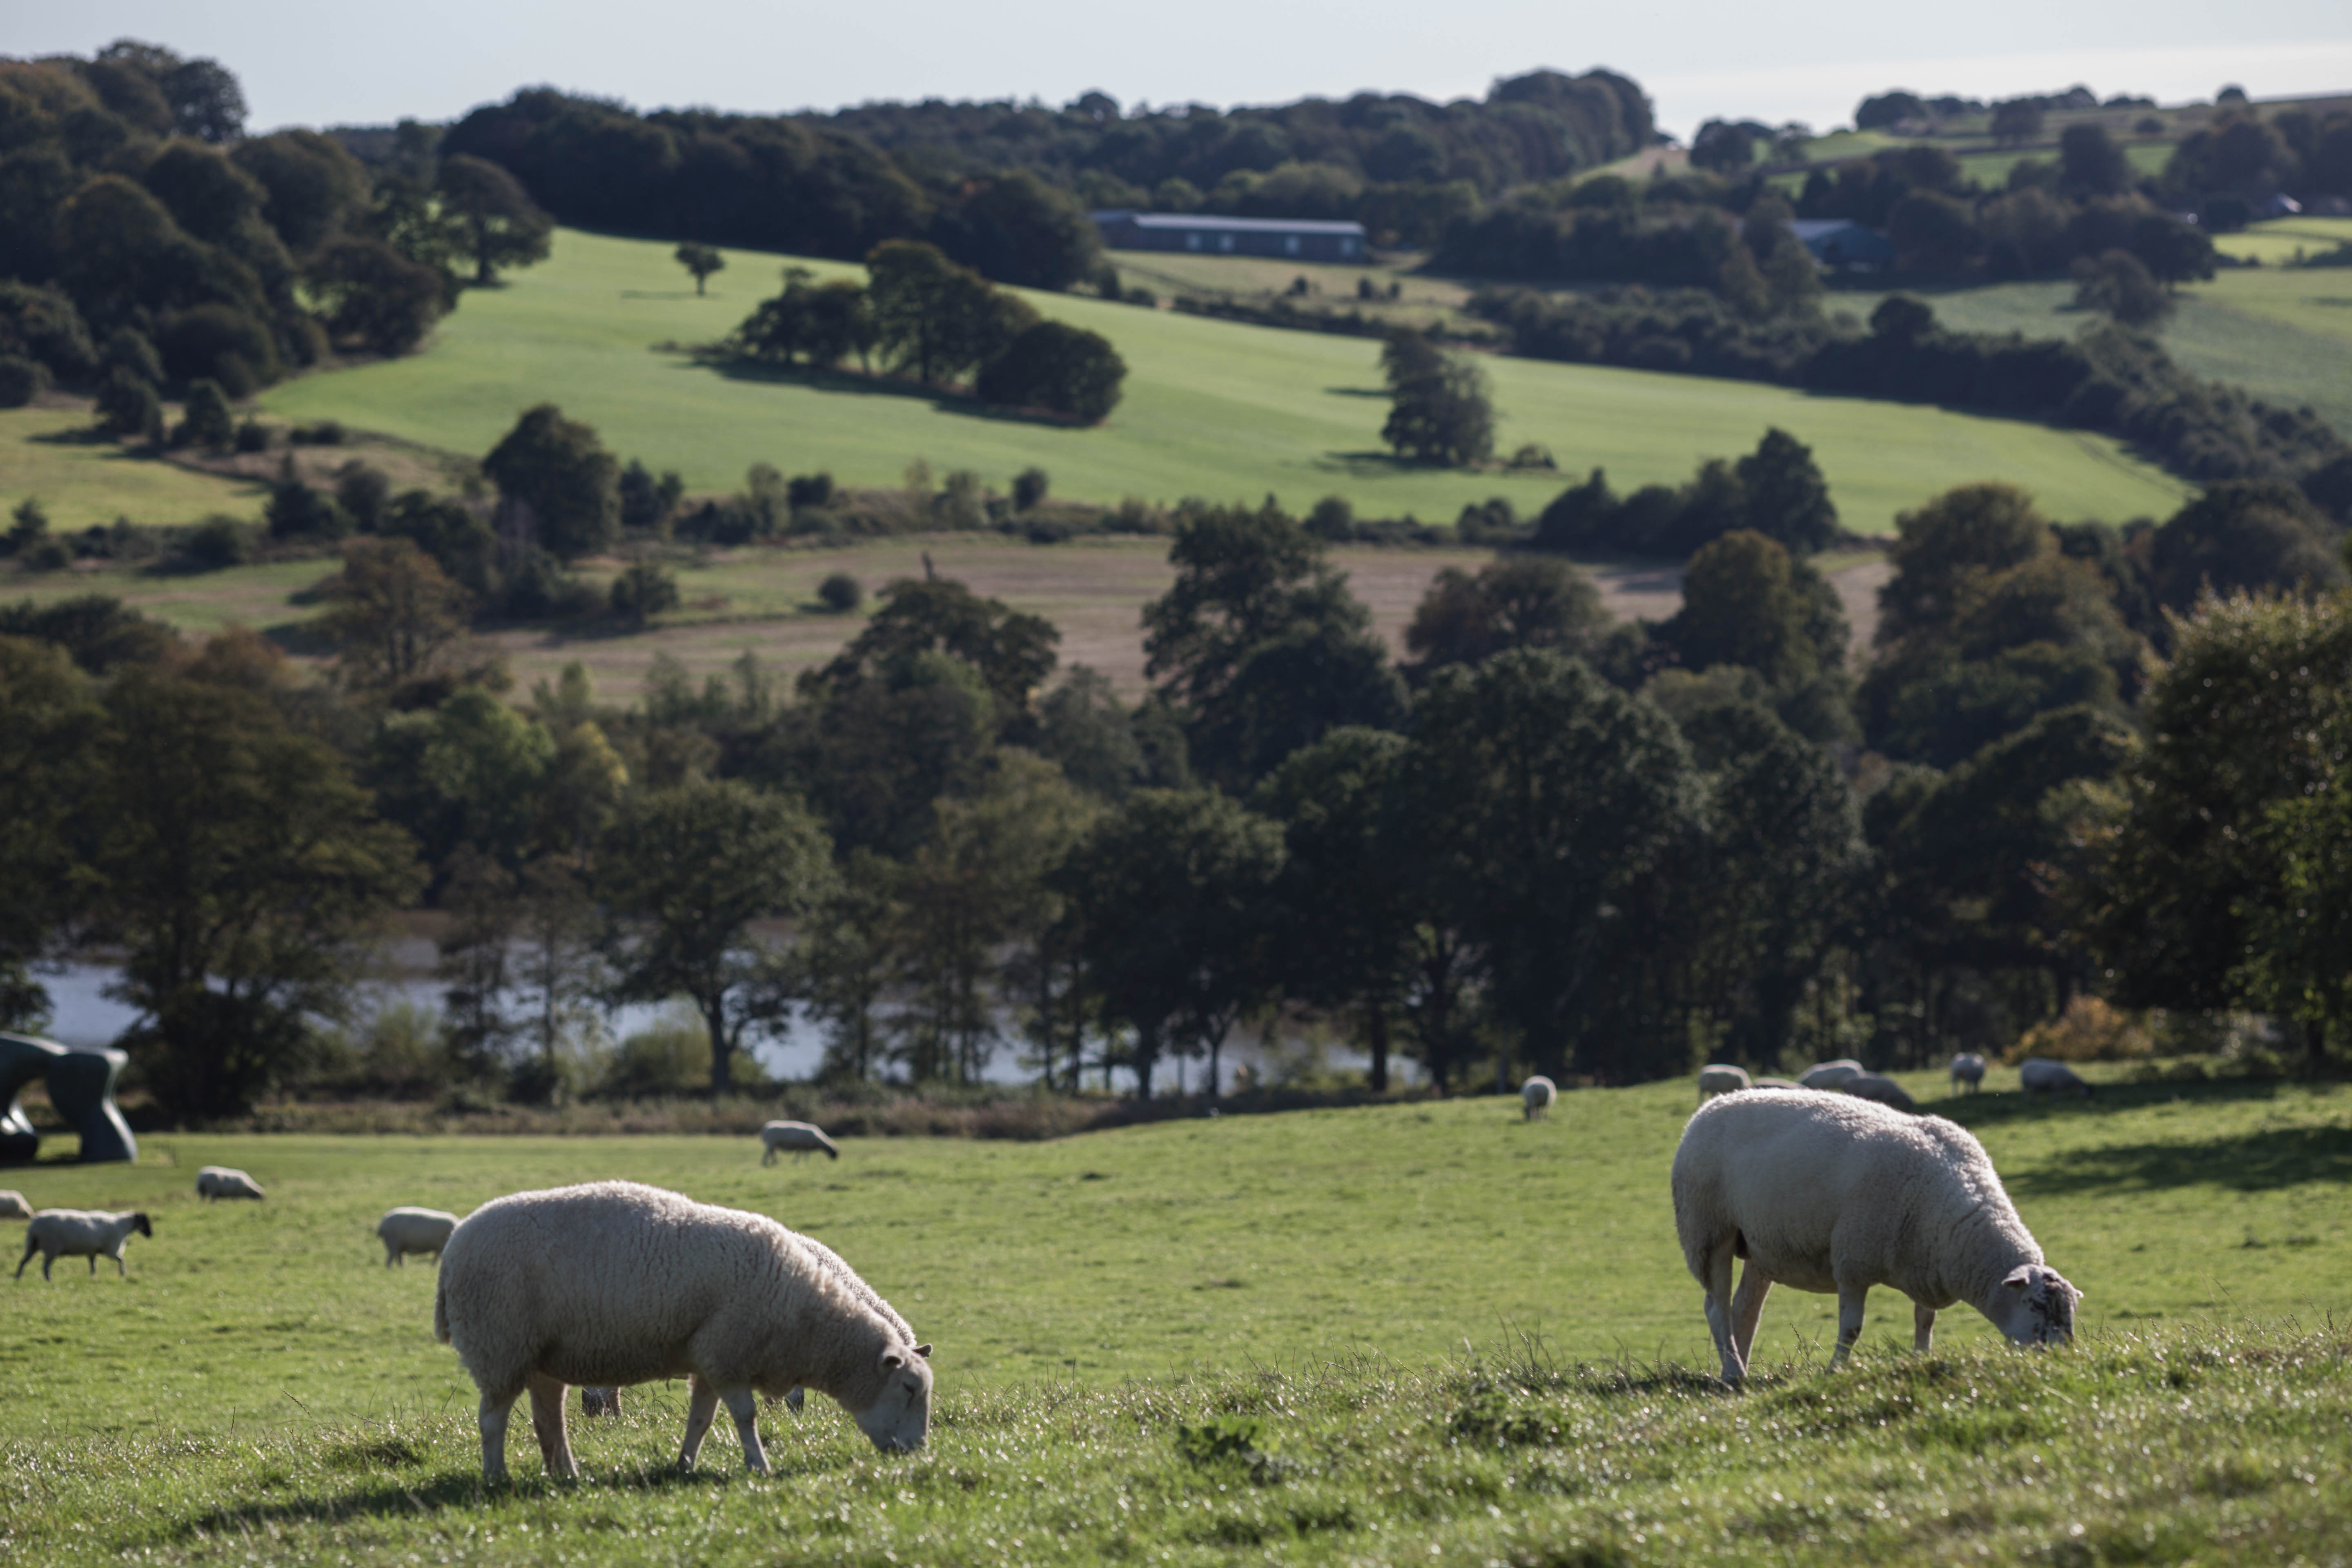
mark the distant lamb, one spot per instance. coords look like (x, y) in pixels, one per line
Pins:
(1967, 1068)
(1535, 1096)
(1720, 1078)
(1829, 1075)
(406, 1230)
(1830, 1193)
(14, 1207)
(2036, 1075)
(220, 1182)
(798, 1138)
(1877, 1087)
(612, 1283)
(80, 1233)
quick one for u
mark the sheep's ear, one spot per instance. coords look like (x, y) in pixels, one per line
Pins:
(923, 1350)
(892, 1358)
(2019, 1278)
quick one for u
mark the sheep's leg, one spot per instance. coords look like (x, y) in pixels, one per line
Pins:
(1747, 1307)
(1719, 1310)
(770, 1157)
(547, 1422)
(492, 1421)
(31, 1247)
(793, 1398)
(1923, 1327)
(121, 1269)
(746, 1411)
(702, 1404)
(1849, 1299)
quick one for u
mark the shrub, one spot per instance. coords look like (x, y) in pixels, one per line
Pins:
(252, 436)
(206, 421)
(21, 380)
(1052, 365)
(1029, 488)
(219, 343)
(298, 511)
(30, 523)
(325, 433)
(128, 407)
(809, 491)
(2088, 1031)
(216, 544)
(643, 589)
(841, 592)
(47, 556)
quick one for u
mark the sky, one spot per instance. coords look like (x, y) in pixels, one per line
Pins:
(319, 63)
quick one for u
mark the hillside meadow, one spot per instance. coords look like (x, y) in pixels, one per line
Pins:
(1212, 408)
(1421, 1332)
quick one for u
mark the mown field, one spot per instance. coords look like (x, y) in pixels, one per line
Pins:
(1431, 1332)
(1212, 409)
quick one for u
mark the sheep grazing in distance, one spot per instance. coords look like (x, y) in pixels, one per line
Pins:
(613, 1283)
(799, 1138)
(1776, 1083)
(2037, 1074)
(220, 1182)
(1880, 1088)
(80, 1233)
(406, 1230)
(1967, 1068)
(1829, 1075)
(1535, 1096)
(1831, 1193)
(14, 1207)
(1721, 1077)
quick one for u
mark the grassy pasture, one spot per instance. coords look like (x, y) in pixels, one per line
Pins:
(45, 452)
(1212, 408)
(1431, 1310)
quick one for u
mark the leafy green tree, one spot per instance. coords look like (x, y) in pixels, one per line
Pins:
(1785, 496)
(372, 297)
(2019, 119)
(701, 260)
(2119, 285)
(394, 612)
(498, 223)
(1967, 530)
(1013, 651)
(936, 318)
(1518, 601)
(1555, 796)
(50, 715)
(316, 188)
(1175, 898)
(556, 483)
(238, 866)
(1017, 230)
(1084, 728)
(1438, 408)
(1746, 601)
(2297, 938)
(686, 872)
(1063, 369)
(2243, 535)
(129, 409)
(467, 774)
(2090, 164)
(206, 421)
(849, 964)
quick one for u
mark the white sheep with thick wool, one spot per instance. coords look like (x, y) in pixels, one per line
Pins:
(80, 1233)
(800, 1139)
(14, 1207)
(1830, 1075)
(2038, 1075)
(613, 1283)
(1721, 1077)
(1535, 1096)
(1967, 1068)
(215, 1182)
(1832, 1194)
(406, 1230)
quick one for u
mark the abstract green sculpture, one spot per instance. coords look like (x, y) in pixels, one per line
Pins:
(82, 1086)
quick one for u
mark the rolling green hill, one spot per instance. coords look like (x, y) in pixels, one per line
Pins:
(1212, 409)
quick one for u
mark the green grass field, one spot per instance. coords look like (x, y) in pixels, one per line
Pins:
(1212, 408)
(1466, 1338)
(45, 452)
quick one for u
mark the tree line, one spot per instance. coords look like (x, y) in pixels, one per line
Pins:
(1543, 840)
(147, 245)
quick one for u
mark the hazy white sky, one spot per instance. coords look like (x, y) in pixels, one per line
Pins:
(319, 63)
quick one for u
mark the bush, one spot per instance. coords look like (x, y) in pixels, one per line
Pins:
(129, 409)
(1052, 366)
(221, 343)
(252, 436)
(841, 592)
(298, 511)
(47, 556)
(29, 525)
(1029, 487)
(325, 433)
(216, 544)
(809, 491)
(21, 380)
(643, 589)
(2088, 1031)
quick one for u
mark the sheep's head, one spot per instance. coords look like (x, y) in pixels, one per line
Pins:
(139, 1223)
(900, 1415)
(2037, 1306)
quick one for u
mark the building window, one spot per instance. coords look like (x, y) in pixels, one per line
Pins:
(1225, 242)
(1192, 242)
(1348, 245)
(1290, 245)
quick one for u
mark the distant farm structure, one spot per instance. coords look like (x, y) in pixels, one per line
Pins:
(1302, 239)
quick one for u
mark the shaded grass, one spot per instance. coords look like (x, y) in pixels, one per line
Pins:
(47, 451)
(1212, 408)
(1413, 1332)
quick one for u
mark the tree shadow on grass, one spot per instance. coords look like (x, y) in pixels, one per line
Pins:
(943, 399)
(2255, 1162)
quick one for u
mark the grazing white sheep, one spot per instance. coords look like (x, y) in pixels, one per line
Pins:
(613, 1283)
(1831, 1193)
(14, 1207)
(406, 1230)
(1535, 1096)
(80, 1233)
(799, 1138)
(1776, 1083)
(1967, 1068)
(849, 1281)
(1829, 1075)
(2038, 1074)
(1880, 1088)
(220, 1182)
(1721, 1077)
